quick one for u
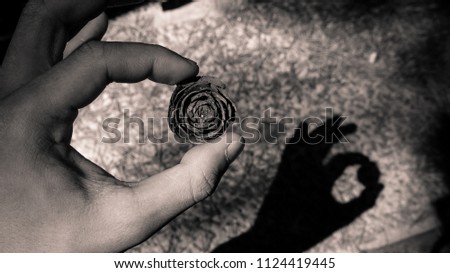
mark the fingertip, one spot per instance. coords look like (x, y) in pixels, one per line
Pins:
(172, 68)
(191, 70)
(209, 161)
(217, 155)
(192, 63)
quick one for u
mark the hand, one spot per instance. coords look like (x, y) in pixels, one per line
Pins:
(51, 197)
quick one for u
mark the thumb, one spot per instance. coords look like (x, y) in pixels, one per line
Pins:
(167, 194)
(207, 163)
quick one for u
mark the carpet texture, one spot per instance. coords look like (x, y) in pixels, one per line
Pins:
(380, 63)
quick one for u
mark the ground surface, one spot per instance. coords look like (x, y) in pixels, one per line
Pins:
(379, 64)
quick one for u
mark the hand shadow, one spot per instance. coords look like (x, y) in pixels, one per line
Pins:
(299, 210)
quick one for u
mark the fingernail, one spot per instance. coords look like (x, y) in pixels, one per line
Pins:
(234, 148)
(191, 61)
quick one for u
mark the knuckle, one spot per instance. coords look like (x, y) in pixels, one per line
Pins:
(94, 49)
(203, 184)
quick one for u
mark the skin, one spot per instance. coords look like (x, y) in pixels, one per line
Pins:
(52, 199)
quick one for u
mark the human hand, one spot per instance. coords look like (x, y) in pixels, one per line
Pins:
(51, 197)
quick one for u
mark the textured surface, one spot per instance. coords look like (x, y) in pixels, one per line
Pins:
(294, 59)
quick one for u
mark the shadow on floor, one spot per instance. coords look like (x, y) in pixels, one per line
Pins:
(353, 10)
(299, 210)
(438, 151)
(425, 65)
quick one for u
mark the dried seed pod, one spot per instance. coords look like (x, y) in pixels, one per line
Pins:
(200, 110)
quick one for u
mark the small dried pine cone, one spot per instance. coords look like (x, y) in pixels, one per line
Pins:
(200, 110)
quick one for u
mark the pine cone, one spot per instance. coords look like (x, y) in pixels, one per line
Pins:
(200, 110)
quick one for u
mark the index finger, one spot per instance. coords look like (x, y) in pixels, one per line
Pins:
(79, 79)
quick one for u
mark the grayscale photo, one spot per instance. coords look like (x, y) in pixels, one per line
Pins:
(225, 126)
